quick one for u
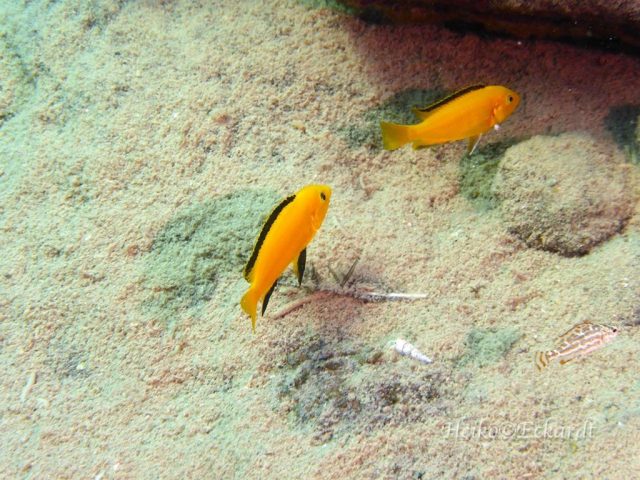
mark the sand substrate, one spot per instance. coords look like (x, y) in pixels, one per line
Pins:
(141, 145)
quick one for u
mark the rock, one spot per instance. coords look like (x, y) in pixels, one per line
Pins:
(635, 148)
(564, 194)
(600, 22)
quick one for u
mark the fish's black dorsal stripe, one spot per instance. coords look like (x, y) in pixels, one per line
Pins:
(451, 97)
(263, 234)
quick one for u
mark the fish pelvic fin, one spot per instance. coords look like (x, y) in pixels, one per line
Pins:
(472, 144)
(395, 136)
(265, 300)
(299, 264)
(542, 360)
(249, 304)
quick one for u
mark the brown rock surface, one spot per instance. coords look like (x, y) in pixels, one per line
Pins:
(609, 23)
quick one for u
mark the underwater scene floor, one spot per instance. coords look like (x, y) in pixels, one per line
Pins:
(461, 315)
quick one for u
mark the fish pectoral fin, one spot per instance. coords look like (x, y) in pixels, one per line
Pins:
(265, 302)
(316, 222)
(299, 264)
(472, 144)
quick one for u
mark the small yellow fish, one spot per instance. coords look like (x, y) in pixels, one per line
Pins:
(283, 240)
(580, 340)
(466, 114)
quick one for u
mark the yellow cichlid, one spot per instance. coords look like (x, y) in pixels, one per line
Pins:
(466, 114)
(282, 241)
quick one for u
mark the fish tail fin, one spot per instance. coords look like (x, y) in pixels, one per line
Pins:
(542, 360)
(249, 304)
(395, 136)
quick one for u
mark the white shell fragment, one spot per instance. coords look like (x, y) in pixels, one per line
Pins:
(406, 349)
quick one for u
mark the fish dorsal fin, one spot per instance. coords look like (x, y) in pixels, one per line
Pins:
(267, 296)
(423, 113)
(298, 266)
(575, 332)
(248, 269)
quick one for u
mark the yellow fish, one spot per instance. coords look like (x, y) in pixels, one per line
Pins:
(466, 114)
(580, 340)
(283, 240)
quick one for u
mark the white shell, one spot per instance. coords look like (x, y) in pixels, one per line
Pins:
(406, 349)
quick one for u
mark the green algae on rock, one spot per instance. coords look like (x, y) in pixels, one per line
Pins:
(15, 82)
(485, 347)
(199, 245)
(340, 387)
(477, 171)
(330, 4)
(622, 122)
(564, 194)
(396, 108)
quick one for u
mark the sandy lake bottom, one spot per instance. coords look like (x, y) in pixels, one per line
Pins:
(142, 143)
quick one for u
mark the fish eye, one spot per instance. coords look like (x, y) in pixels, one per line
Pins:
(323, 196)
(510, 99)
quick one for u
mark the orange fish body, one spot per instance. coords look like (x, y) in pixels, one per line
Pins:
(283, 241)
(466, 114)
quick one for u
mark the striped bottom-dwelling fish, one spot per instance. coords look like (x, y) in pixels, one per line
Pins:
(580, 340)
